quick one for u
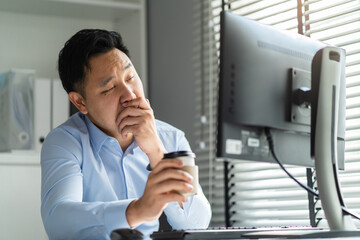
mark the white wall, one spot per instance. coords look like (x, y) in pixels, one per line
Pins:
(33, 41)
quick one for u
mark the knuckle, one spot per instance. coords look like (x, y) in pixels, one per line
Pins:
(149, 114)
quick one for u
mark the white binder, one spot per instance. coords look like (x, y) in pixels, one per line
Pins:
(42, 116)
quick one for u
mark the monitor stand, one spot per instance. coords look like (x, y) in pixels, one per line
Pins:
(326, 79)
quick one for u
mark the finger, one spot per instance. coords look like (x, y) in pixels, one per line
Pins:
(172, 185)
(140, 127)
(132, 112)
(137, 103)
(129, 121)
(135, 129)
(171, 174)
(169, 163)
(173, 197)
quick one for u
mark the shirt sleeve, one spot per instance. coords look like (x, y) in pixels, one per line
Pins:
(63, 211)
(196, 212)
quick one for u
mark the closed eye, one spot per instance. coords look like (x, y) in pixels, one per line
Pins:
(131, 77)
(107, 91)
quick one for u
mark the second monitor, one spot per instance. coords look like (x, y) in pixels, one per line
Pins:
(260, 69)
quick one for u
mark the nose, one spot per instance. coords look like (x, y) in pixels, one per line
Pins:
(127, 94)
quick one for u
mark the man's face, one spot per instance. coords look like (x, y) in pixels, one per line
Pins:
(110, 81)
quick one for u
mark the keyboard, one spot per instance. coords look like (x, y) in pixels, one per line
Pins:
(234, 233)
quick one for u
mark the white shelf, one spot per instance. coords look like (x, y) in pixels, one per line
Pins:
(20, 157)
(92, 9)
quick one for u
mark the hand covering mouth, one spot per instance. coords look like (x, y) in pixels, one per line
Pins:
(117, 121)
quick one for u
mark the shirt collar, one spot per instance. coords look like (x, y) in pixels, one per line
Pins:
(97, 137)
(131, 148)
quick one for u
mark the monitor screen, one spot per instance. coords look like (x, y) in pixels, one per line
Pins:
(261, 68)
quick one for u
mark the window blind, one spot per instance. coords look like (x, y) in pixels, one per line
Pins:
(260, 193)
(206, 44)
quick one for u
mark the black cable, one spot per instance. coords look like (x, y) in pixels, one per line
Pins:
(355, 215)
(307, 188)
(271, 147)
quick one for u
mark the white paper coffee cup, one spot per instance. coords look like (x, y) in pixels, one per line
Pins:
(188, 158)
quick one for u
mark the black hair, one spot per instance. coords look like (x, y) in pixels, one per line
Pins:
(77, 51)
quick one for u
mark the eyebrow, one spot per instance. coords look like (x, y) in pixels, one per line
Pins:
(129, 65)
(107, 80)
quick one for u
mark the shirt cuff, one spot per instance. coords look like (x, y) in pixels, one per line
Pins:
(195, 214)
(115, 215)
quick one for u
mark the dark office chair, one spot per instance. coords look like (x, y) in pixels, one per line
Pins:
(164, 225)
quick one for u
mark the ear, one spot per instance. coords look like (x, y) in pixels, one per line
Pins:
(78, 101)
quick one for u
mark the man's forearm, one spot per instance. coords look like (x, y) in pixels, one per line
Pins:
(157, 154)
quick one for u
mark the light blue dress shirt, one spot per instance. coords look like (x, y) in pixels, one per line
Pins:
(88, 182)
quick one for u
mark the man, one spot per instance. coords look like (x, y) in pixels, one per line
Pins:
(102, 169)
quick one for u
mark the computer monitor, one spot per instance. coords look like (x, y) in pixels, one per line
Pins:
(270, 79)
(260, 70)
